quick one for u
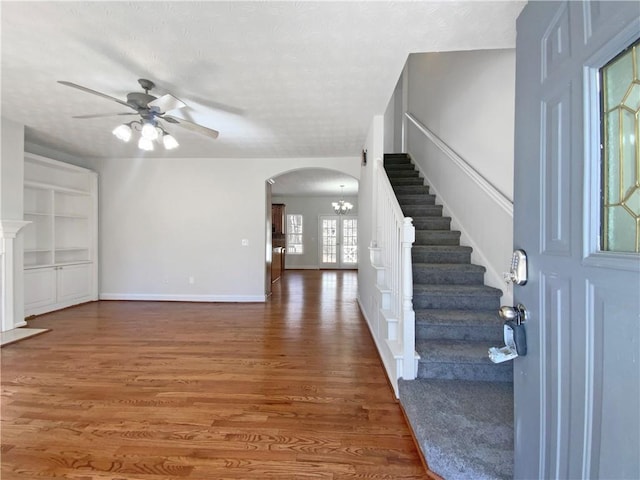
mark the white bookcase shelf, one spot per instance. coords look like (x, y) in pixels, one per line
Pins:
(60, 243)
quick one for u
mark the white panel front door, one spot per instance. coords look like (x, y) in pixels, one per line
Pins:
(577, 391)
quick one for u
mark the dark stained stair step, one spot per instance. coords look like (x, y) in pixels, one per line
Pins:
(392, 158)
(459, 325)
(441, 254)
(394, 174)
(392, 167)
(463, 297)
(416, 199)
(448, 274)
(432, 223)
(410, 189)
(465, 429)
(460, 360)
(422, 210)
(437, 237)
(406, 181)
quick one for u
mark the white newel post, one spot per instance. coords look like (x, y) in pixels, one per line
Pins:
(8, 231)
(408, 315)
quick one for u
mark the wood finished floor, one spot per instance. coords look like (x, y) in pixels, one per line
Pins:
(289, 389)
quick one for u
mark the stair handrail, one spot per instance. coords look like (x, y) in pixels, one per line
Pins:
(395, 235)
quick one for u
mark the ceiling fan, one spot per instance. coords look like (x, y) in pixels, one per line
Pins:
(151, 110)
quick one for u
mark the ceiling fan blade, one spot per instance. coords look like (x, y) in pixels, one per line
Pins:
(166, 103)
(88, 90)
(209, 132)
(99, 115)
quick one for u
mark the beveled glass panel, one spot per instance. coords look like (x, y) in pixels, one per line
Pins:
(629, 151)
(632, 98)
(620, 210)
(618, 77)
(619, 219)
(612, 150)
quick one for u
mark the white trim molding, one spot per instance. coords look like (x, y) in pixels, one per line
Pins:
(8, 231)
(160, 297)
(500, 198)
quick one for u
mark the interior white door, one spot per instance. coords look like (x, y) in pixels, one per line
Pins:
(577, 391)
(338, 246)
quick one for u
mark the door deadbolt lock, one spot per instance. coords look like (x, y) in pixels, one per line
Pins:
(517, 274)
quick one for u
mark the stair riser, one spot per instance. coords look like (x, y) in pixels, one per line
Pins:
(411, 190)
(422, 210)
(399, 167)
(437, 237)
(458, 302)
(402, 173)
(433, 276)
(391, 158)
(459, 332)
(440, 257)
(465, 371)
(416, 199)
(432, 223)
(403, 182)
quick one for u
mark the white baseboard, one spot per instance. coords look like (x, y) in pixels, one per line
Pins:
(389, 370)
(156, 297)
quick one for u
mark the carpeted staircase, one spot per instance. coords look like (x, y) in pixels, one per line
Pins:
(461, 406)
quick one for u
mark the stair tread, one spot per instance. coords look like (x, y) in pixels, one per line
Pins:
(465, 317)
(458, 351)
(456, 290)
(443, 248)
(451, 266)
(464, 428)
(442, 232)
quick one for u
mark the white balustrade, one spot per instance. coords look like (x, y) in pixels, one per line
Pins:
(391, 256)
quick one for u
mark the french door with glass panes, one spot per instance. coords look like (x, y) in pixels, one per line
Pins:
(338, 245)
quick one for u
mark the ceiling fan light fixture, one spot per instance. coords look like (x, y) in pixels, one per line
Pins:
(151, 110)
(123, 132)
(169, 141)
(145, 144)
(149, 131)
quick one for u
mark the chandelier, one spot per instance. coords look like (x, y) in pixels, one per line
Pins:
(150, 131)
(341, 207)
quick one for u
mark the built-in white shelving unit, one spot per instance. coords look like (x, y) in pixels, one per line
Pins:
(60, 243)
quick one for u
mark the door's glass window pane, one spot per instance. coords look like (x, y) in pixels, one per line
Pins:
(621, 158)
(350, 240)
(329, 241)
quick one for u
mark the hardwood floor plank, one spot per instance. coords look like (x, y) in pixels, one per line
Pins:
(289, 389)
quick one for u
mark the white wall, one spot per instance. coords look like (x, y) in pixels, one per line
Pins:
(368, 294)
(310, 208)
(12, 171)
(12, 209)
(164, 221)
(468, 99)
(463, 103)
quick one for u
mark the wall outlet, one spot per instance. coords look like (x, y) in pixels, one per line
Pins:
(245, 242)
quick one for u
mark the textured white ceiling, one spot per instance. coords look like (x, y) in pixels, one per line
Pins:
(277, 79)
